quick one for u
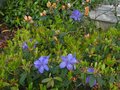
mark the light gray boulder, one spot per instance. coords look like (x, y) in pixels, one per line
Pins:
(104, 16)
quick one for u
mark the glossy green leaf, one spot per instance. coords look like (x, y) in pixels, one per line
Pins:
(42, 87)
(100, 81)
(46, 80)
(22, 78)
(52, 83)
(58, 78)
(92, 80)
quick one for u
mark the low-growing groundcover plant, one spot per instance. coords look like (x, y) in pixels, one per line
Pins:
(62, 61)
(58, 48)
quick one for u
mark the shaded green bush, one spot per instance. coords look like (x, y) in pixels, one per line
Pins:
(15, 11)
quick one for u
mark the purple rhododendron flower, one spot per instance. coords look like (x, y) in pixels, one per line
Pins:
(25, 46)
(88, 80)
(76, 15)
(41, 64)
(90, 70)
(68, 61)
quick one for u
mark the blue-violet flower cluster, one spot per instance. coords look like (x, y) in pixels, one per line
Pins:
(76, 15)
(41, 64)
(68, 62)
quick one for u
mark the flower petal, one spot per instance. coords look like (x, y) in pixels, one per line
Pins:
(70, 67)
(64, 58)
(37, 64)
(45, 59)
(72, 16)
(69, 56)
(46, 68)
(94, 83)
(25, 46)
(41, 59)
(62, 64)
(75, 18)
(41, 69)
(73, 60)
(87, 79)
(90, 70)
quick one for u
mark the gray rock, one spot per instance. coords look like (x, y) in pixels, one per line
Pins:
(105, 15)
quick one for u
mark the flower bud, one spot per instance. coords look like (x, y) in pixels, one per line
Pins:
(25, 18)
(55, 38)
(63, 7)
(68, 5)
(44, 13)
(57, 0)
(57, 32)
(87, 1)
(41, 14)
(54, 5)
(86, 11)
(83, 3)
(87, 35)
(49, 4)
(29, 18)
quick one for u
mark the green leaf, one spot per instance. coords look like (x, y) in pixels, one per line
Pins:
(4, 84)
(46, 80)
(1, 13)
(14, 88)
(52, 83)
(69, 75)
(42, 87)
(100, 81)
(112, 79)
(30, 87)
(103, 67)
(58, 78)
(83, 75)
(54, 89)
(96, 64)
(22, 78)
(92, 80)
(48, 84)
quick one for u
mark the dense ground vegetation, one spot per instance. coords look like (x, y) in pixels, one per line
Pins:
(56, 46)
